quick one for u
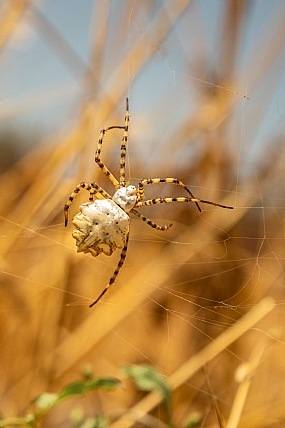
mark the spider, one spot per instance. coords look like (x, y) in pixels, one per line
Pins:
(103, 223)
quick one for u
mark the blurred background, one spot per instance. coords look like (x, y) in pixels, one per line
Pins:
(206, 86)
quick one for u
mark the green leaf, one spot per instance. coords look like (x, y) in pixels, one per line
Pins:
(46, 401)
(79, 388)
(148, 379)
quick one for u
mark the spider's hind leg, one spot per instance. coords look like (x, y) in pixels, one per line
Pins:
(115, 274)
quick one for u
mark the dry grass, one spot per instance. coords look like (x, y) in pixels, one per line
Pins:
(191, 297)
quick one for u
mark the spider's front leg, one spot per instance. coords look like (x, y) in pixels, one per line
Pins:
(179, 199)
(98, 154)
(112, 178)
(124, 147)
(151, 223)
(93, 189)
(164, 180)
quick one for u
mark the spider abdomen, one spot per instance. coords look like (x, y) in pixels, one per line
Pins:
(100, 227)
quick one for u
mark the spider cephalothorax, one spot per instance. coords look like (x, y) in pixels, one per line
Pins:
(103, 224)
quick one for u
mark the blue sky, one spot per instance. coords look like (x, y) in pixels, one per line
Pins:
(42, 87)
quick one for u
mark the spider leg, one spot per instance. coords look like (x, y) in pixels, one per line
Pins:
(149, 222)
(163, 180)
(179, 199)
(98, 153)
(123, 151)
(93, 189)
(124, 147)
(99, 190)
(115, 274)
